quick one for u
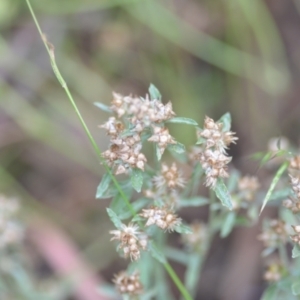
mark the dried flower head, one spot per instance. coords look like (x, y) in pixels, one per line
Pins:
(274, 272)
(161, 217)
(162, 138)
(128, 284)
(124, 154)
(169, 177)
(213, 158)
(292, 204)
(197, 238)
(248, 185)
(295, 163)
(215, 136)
(141, 112)
(132, 241)
(113, 127)
(274, 233)
(296, 237)
(214, 163)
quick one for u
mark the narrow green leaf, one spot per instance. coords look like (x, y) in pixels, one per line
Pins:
(270, 293)
(296, 251)
(222, 193)
(154, 92)
(183, 229)
(194, 201)
(228, 224)
(103, 186)
(178, 148)
(156, 253)
(177, 255)
(275, 180)
(136, 178)
(114, 218)
(180, 120)
(296, 288)
(226, 120)
(103, 107)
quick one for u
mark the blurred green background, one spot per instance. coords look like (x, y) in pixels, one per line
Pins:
(207, 57)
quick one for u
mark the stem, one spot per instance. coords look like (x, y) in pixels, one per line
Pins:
(50, 50)
(177, 281)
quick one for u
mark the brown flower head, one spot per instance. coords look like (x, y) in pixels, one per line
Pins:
(132, 241)
(128, 284)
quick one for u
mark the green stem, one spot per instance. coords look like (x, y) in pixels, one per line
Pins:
(177, 281)
(59, 77)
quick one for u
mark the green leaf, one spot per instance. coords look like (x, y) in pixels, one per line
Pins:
(296, 288)
(136, 178)
(180, 120)
(201, 140)
(156, 253)
(117, 204)
(178, 148)
(114, 218)
(183, 229)
(158, 153)
(226, 121)
(137, 206)
(194, 201)
(103, 186)
(222, 193)
(103, 107)
(228, 224)
(177, 255)
(270, 293)
(192, 271)
(275, 180)
(154, 92)
(233, 180)
(281, 194)
(296, 251)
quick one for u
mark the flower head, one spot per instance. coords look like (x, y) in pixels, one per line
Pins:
(128, 284)
(161, 217)
(162, 138)
(169, 177)
(132, 241)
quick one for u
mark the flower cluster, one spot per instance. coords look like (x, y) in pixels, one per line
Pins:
(128, 284)
(169, 177)
(248, 185)
(11, 231)
(274, 233)
(213, 157)
(296, 237)
(161, 217)
(196, 240)
(132, 241)
(274, 272)
(293, 203)
(141, 112)
(162, 138)
(134, 116)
